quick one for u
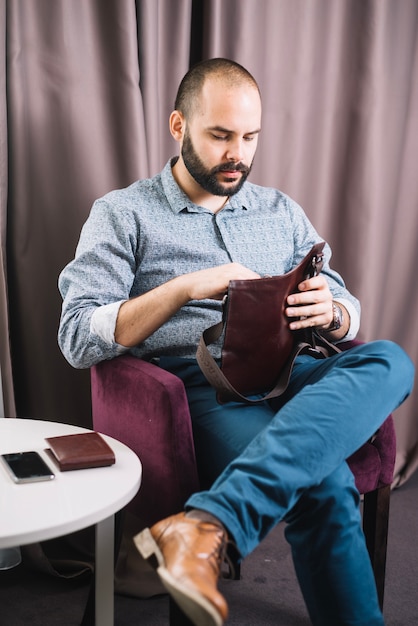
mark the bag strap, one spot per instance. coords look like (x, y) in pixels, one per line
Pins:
(316, 345)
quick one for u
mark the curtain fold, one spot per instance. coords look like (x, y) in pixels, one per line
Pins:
(7, 402)
(90, 86)
(76, 131)
(163, 57)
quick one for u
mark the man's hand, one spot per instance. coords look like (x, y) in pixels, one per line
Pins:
(312, 306)
(213, 282)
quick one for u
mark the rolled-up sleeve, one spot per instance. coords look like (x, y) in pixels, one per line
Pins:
(93, 287)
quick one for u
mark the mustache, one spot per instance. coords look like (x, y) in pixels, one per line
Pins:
(231, 167)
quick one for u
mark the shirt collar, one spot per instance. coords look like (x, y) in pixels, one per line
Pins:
(179, 201)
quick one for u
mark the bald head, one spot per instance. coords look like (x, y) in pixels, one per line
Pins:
(223, 71)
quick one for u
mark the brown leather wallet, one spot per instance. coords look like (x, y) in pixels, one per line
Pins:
(80, 451)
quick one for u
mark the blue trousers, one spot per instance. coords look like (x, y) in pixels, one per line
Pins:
(286, 462)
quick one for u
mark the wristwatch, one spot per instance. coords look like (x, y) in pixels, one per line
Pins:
(338, 317)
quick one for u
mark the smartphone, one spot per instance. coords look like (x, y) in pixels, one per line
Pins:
(26, 467)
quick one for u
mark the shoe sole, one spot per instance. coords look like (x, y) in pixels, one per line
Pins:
(199, 610)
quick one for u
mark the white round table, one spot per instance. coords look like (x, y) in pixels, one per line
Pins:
(33, 512)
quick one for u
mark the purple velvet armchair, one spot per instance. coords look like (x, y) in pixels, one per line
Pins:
(146, 408)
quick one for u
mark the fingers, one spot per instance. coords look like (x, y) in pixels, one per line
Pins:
(311, 306)
(213, 282)
(309, 317)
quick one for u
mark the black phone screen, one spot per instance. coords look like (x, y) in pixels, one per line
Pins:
(26, 467)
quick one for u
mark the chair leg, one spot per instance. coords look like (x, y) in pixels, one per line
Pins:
(375, 525)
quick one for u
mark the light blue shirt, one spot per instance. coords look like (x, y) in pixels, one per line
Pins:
(140, 237)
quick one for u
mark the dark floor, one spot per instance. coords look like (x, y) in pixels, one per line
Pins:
(267, 593)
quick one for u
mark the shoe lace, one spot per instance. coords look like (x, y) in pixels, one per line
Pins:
(220, 558)
(227, 569)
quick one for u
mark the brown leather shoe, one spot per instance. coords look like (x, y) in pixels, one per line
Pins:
(189, 555)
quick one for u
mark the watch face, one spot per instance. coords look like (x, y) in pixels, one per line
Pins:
(338, 317)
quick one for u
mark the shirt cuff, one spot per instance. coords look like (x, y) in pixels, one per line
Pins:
(354, 319)
(103, 323)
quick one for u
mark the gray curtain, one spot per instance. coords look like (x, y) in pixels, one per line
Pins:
(87, 88)
(7, 397)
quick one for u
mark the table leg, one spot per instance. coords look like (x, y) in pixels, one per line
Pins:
(104, 577)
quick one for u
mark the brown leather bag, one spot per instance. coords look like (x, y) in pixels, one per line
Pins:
(259, 349)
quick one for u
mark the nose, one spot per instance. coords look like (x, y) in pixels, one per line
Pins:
(235, 151)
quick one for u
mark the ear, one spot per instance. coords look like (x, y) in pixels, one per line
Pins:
(177, 125)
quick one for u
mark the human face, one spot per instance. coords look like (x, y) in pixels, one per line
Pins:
(228, 183)
(220, 139)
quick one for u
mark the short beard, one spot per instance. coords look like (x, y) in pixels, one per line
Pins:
(207, 178)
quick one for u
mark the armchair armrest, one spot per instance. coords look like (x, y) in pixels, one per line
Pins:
(146, 408)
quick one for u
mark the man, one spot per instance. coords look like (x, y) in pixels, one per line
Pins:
(152, 265)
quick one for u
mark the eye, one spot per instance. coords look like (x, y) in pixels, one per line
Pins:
(249, 138)
(219, 137)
